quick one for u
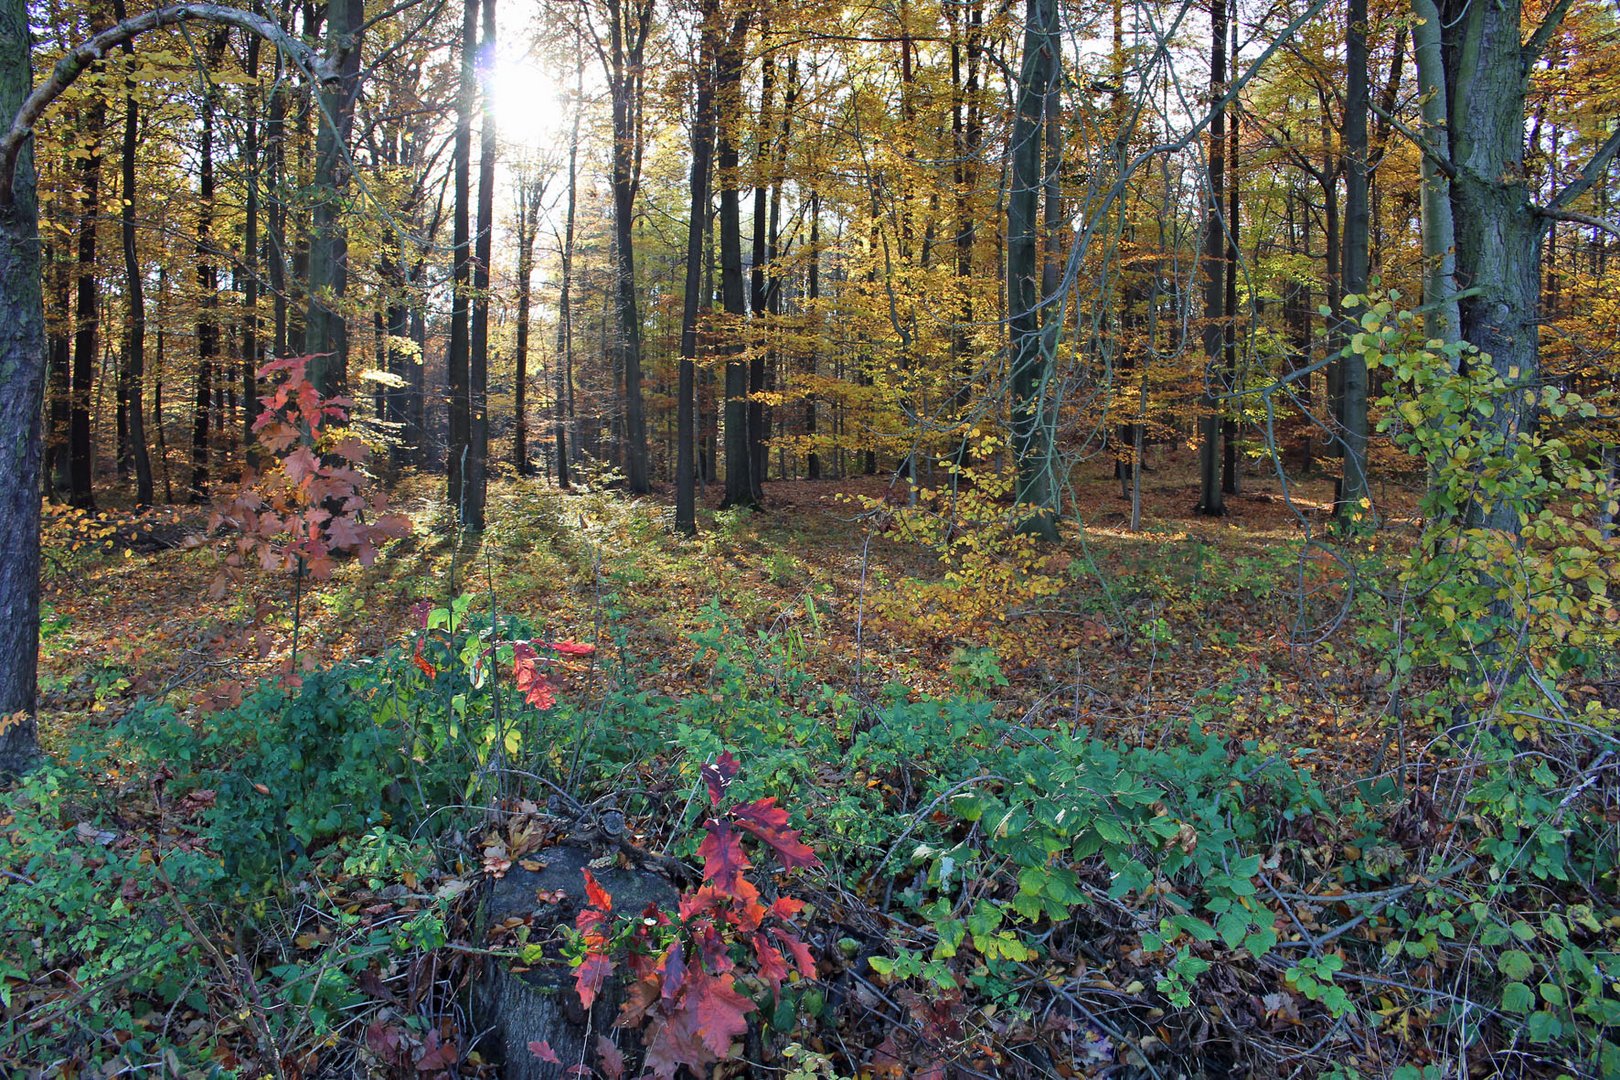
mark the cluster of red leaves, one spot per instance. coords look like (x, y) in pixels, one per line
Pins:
(685, 990)
(310, 502)
(533, 672)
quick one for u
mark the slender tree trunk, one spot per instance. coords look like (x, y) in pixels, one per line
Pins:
(741, 488)
(207, 287)
(87, 314)
(631, 23)
(22, 345)
(457, 358)
(1229, 424)
(250, 258)
(1031, 366)
(531, 191)
(1211, 499)
(475, 480)
(133, 373)
(326, 334)
(692, 300)
(1352, 486)
(565, 318)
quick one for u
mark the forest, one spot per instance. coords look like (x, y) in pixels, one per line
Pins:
(890, 538)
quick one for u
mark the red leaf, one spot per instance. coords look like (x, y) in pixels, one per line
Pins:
(768, 821)
(721, 1012)
(673, 970)
(590, 975)
(422, 662)
(723, 858)
(800, 952)
(598, 897)
(772, 967)
(611, 1059)
(542, 1050)
(719, 775)
(786, 907)
(570, 648)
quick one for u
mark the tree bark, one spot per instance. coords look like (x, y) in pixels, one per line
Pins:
(475, 481)
(22, 347)
(1353, 490)
(741, 488)
(692, 300)
(1031, 366)
(326, 334)
(458, 354)
(133, 369)
(1211, 499)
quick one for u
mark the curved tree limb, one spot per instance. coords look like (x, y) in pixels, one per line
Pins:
(81, 57)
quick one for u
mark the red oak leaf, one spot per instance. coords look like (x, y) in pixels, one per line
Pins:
(723, 858)
(768, 821)
(719, 775)
(570, 648)
(721, 1012)
(609, 1058)
(772, 967)
(590, 975)
(598, 897)
(542, 1050)
(799, 951)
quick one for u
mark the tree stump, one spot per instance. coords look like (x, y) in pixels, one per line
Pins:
(540, 1004)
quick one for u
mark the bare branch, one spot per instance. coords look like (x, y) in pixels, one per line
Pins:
(1595, 169)
(1559, 214)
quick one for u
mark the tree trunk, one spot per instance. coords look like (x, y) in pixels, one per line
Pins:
(22, 346)
(741, 488)
(1353, 490)
(207, 287)
(1211, 499)
(133, 373)
(457, 356)
(531, 191)
(631, 23)
(475, 480)
(1031, 366)
(87, 312)
(692, 300)
(565, 315)
(326, 335)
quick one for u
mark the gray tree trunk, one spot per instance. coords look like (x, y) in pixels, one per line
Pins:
(22, 375)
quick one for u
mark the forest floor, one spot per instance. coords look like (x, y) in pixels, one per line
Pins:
(1145, 626)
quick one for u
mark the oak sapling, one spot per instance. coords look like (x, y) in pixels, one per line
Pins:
(309, 502)
(684, 991)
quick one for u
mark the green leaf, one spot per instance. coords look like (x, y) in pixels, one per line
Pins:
(1517, 998)
(1515, 964)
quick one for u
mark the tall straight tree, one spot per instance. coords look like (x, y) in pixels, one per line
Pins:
(1032, 362)
(475, 480)
(1211, 500)
(22, 388)
(741, 489)
(709, 32)
(207, 280)
(530, 193)
(630, 23)
(565, 313)
(1352, 418)
(87, 307)
(326, 330)
(458, 353)
(133, 369)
